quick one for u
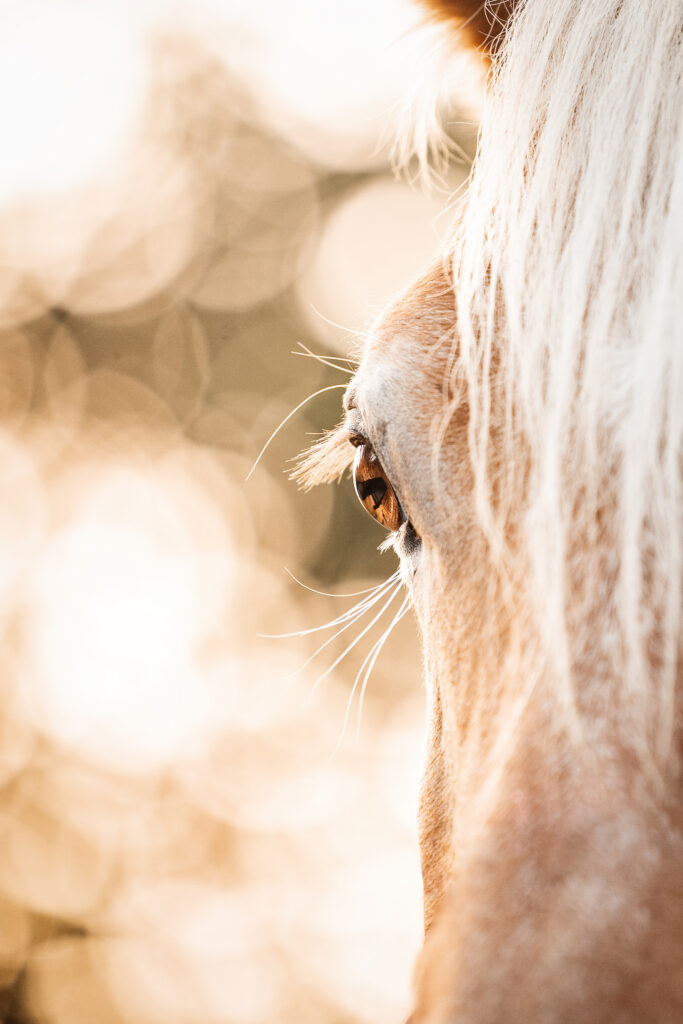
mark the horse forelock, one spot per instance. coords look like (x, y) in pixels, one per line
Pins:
(569, 285)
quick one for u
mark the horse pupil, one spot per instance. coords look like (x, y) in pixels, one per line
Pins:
(375, 489)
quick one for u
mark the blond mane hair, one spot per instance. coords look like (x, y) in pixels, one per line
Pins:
(569, 295)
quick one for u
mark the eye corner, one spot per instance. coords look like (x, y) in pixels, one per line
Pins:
(356, 435)
(411, 538)
(356, 439)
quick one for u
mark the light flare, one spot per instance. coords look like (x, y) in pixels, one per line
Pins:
(123, 602)
(72, 76)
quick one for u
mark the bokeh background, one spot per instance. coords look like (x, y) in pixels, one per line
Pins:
(191, 197)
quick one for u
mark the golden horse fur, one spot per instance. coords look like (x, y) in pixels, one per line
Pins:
(525, 399)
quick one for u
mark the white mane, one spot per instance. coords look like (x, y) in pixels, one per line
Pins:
(569, 288)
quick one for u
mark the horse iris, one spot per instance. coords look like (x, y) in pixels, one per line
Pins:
(374, 491)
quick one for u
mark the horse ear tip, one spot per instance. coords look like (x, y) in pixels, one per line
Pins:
(477, 25)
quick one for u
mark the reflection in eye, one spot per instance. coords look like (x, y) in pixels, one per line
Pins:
(374, 491)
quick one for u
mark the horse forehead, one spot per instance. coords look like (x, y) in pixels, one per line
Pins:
(406, 350)
(391, 382)
(419, 314)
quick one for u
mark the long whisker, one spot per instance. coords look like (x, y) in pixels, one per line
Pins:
(360, 636)
(324, 593)
(330, 387)
(334, 636)
(323, 360)
(333, 323)
(358, 609)
(335, 359)
(368, 665)
(331, 361)
(376, 650)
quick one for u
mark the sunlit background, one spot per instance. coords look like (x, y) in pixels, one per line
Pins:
(195, 826)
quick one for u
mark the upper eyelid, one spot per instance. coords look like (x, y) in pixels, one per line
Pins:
(357, 438)
(355, 428)
(350, 399)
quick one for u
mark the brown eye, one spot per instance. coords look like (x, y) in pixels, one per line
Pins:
(374, 491)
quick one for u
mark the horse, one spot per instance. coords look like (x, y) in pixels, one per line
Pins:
(516, 424)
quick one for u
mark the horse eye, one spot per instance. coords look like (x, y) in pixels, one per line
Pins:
(374, 491)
